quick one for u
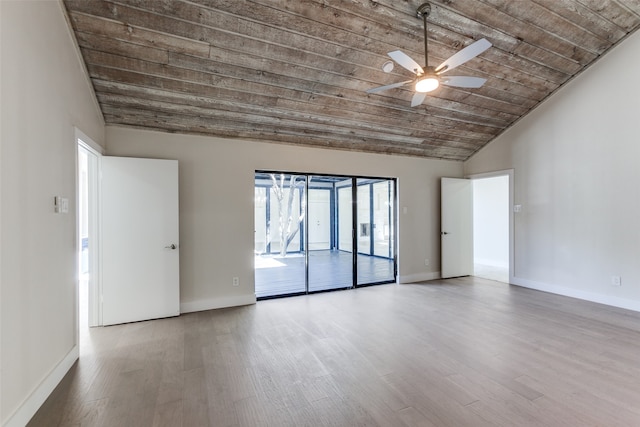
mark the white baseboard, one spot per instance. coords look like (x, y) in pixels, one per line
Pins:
(30, 406)
(576, 293)
(419, 277)
(212, 304)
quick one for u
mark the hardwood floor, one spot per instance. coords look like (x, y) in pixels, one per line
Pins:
(457, 352)
(327, 270)
(491, 272)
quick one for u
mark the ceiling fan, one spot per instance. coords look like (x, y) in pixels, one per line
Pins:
(430, 78)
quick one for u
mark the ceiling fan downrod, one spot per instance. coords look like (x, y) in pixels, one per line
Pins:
(423, 12)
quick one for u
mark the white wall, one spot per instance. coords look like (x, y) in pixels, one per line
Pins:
(44, 95)
(577, 179)
(216, 204)
(491, 221)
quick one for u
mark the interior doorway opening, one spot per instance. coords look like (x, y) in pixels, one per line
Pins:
(87, 234)
(317, 233)
(491, 229)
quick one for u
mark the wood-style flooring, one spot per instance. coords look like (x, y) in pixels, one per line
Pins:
(457, 352)
(327, 270)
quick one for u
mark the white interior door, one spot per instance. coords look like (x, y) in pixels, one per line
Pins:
(319, 222)
(140, 262)
(456, 235)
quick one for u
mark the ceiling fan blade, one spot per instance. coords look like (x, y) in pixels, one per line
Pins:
(405, 61)
(463, 81)
(418, 98)
(391, 86)
(463, 56)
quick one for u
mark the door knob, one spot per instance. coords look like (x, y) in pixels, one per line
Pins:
(173, 246)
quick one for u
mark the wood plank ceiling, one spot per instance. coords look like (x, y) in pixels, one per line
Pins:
(296, 71)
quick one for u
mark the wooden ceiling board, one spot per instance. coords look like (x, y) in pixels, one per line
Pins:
(297, 71)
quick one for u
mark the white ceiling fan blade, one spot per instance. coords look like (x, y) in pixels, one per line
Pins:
(405, 61)
(418, 98)
(391, 86)
(463, 81)
(464, 55)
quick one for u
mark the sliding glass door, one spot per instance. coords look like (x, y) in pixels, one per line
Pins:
(280, 261)
(307, 226)
(329, 266)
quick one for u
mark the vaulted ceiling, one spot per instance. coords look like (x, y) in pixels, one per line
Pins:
(297, 71)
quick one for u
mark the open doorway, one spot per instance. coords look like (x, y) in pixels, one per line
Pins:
(87, 233)
(491, 229)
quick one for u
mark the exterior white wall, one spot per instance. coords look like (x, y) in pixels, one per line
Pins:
(216, 204)
(45, 93)
(576, 177)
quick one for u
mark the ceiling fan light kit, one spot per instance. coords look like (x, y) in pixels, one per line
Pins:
(429, 78)
(428, 82)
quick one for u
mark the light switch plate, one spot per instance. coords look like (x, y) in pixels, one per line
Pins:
(64, 205)
(61, 204)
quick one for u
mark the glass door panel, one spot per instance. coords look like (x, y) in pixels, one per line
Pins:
(345, 212)
(330, 223)
(383, 219)
(280, 222)
(375, 231)
(260, 221)
(364, 221)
